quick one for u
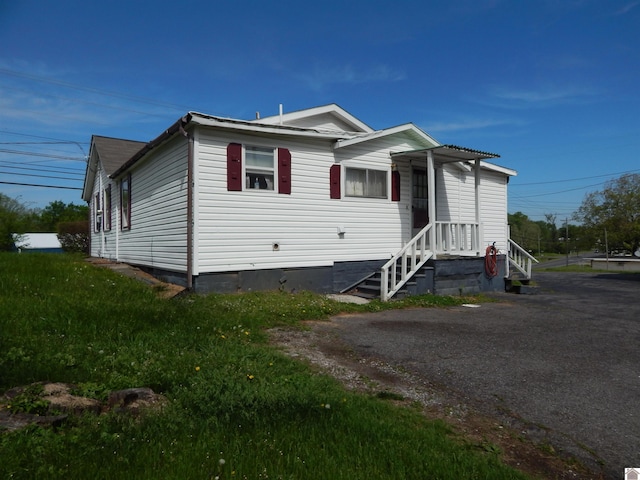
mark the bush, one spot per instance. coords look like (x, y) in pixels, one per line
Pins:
(74, 236)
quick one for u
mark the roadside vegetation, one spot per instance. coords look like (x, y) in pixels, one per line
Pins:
(236, 406)
(69, 221)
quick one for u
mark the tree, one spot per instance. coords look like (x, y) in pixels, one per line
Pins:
(524, 231)
(12, 214)
(616, 210)
(15, 218)
(58, 211)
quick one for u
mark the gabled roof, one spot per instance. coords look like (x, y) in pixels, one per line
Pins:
(407, 128)
(111, 153)
(330, 117)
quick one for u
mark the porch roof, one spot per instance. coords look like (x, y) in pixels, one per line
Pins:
(447, 153)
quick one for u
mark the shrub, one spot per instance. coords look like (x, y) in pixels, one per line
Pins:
(74, 236)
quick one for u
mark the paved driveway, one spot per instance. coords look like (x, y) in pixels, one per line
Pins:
(565, 360)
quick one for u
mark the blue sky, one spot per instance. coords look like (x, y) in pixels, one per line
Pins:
(550, 85)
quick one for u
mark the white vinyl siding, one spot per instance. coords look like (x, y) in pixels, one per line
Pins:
(455, 190)
(238, 230)
(102, 242)
(493, 200)
(158, 234)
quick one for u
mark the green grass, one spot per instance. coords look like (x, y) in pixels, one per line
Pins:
(237, 407)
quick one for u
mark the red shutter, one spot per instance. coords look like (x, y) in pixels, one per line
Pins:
(234, 167)
(334, 181)
(284, 171)
(395, 186)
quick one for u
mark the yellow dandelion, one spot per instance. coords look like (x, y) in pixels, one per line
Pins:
(197, 368)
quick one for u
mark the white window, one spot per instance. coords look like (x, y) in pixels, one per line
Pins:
(363, 182)
(125, 203)
(260, 166)
(106, 211)
(97, 213)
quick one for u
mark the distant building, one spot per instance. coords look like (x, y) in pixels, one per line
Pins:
(37, 242)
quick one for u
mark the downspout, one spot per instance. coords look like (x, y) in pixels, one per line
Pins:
(190, 141)
(431, 206)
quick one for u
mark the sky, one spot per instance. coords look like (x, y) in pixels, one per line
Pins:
(552, 86)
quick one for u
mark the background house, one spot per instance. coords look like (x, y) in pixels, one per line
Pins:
(314, 199)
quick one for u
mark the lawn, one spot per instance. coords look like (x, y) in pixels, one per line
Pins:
(236, 406)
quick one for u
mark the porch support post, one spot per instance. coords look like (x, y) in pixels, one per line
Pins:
(480, 233)
(431, 205)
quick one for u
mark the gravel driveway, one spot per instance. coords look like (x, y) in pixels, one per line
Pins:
(562, 364)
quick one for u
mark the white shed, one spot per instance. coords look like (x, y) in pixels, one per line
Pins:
(37, 242)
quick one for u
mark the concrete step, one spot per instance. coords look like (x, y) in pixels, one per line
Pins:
(519, 286)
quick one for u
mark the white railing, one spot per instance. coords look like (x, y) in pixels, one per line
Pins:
(410, 259)
(520, 259)
(457, 238)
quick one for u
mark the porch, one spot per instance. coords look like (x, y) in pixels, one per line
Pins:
(453, 266)
(448, 222)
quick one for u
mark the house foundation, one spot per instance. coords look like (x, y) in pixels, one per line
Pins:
(446, 276)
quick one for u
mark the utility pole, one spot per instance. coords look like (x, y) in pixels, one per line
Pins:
(606, 247)
(566, 238)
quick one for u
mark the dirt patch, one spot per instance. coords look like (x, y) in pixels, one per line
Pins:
(50, 404)
(163, 289)
(321, 346)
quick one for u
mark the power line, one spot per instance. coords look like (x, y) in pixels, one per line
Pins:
(38, 154)
(41, 170)
(21, 166)
(38, 176)
(561, 191)
(86, 102)
(106, 93)
(36, 185)
(574, 179)
(70, 142)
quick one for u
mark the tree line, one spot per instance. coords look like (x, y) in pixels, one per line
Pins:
(608, 220)
(69, 221)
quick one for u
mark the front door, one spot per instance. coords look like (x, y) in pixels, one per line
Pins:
(419, 200)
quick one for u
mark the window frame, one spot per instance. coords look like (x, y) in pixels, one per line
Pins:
(367, 183)
(252, 173)
(97, 214)
(106, 210)
(125, 213)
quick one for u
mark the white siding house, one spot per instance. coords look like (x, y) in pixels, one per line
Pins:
(313, 199)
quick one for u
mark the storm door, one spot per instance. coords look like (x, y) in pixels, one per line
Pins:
(419, 200)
